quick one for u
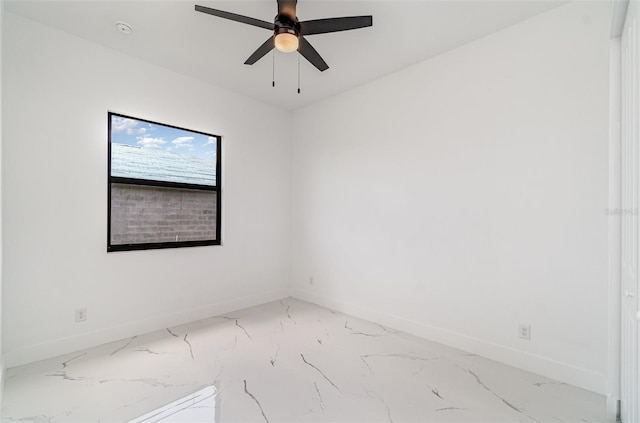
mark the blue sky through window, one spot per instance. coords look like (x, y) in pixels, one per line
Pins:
(148, 135)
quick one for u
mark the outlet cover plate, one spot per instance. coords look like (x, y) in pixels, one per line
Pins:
(524, 332)
(81, 314)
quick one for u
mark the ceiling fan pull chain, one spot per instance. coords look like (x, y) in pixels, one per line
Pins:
(298, 74)
(273, 70)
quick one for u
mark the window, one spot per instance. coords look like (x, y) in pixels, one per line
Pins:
(164, 186)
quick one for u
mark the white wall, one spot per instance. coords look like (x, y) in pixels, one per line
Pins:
(57, 91)
(466, 194)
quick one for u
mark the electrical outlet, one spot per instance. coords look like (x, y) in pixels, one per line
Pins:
(81, 314)
(524, 331)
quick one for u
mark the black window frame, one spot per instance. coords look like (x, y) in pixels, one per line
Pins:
(163, 184)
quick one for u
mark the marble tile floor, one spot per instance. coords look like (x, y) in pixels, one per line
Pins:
(289, 361)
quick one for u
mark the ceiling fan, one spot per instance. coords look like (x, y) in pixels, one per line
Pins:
(289, 33)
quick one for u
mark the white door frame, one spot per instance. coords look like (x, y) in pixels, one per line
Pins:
(624, 126)
(613, 350)
(618, 15)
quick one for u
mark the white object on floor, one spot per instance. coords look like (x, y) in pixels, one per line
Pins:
(197, 407)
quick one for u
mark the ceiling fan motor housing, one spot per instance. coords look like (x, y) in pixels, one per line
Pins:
(285, 25)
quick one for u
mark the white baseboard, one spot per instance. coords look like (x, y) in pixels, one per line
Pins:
(563, 372)
(81, 341)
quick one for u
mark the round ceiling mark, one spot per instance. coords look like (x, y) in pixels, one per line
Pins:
(124, 27)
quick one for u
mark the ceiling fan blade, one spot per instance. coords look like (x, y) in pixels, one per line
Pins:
(323, 26)
(265, 48)
(287, 8)
(310, 53)
(235, 17)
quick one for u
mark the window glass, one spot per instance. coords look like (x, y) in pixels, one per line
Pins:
(163, 186)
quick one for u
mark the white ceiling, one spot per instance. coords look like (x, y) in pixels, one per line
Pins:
(171, 34)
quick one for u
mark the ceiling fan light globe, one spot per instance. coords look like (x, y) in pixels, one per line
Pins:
(286, 42)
